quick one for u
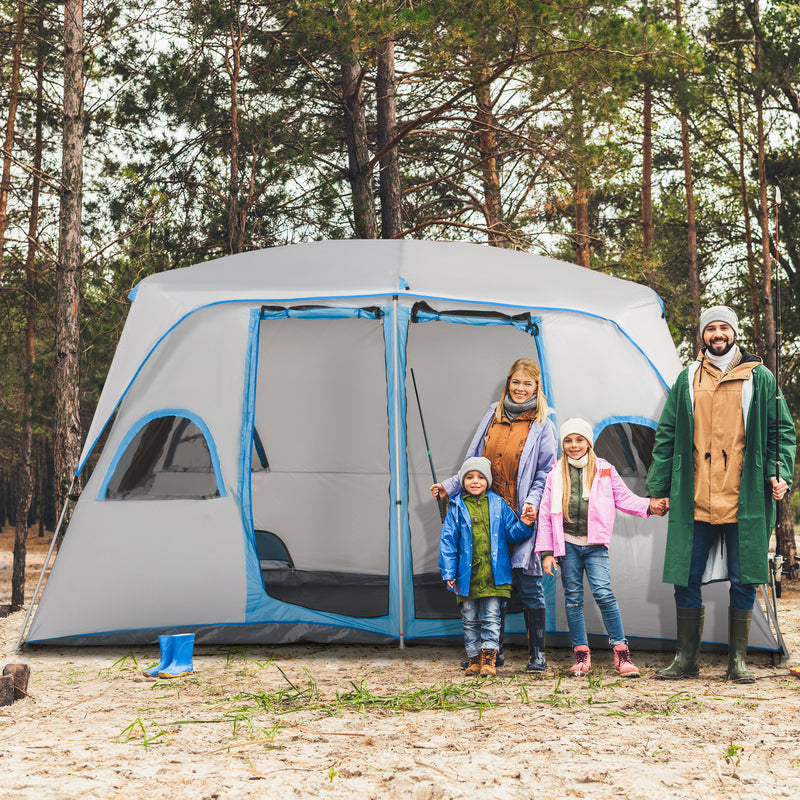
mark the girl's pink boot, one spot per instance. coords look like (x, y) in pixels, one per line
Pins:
(583, 661)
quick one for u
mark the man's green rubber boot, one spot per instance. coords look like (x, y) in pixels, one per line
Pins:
(738, 634)
(686, 663)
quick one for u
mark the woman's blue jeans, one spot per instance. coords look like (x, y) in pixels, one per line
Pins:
(481, 621)
(742, 595)
(593, 560)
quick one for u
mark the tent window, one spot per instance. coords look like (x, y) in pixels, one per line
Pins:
(168, 458)
(628, 446)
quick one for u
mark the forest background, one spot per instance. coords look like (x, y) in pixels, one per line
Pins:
(651, 140)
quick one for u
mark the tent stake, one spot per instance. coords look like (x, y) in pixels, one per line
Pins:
(20, 640)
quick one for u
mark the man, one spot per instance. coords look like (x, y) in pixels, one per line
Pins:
(714, 459)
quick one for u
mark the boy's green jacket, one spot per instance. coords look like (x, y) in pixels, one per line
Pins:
(672, 475)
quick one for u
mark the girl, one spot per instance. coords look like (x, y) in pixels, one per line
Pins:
(576, 518)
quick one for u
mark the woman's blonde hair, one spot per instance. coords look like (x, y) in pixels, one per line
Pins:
(566, 482)
(531, 369)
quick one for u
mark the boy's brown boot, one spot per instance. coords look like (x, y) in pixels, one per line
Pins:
(583, 661)
(473, 665)
(488, 658)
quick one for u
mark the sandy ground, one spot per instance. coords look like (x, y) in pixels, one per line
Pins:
(369, 722)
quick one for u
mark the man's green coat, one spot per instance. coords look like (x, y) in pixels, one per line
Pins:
(672, 474)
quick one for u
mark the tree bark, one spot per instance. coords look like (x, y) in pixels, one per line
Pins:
(25, 466)
(583, 239)
(235, 226)
(390, 185)
(647, 172)
(8, 144)
(691, 218)
(748, 230)
(355, 127)
(67, 432)
(490, 169)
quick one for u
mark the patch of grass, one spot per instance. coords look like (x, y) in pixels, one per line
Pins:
(138, 733)
(446, 696)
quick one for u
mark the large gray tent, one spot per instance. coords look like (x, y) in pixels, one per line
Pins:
(262, 473)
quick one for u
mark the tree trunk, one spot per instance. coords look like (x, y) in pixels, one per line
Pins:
(691, 218)
(8, 144)
(355, 127)
(748, 230)
(390, 186)
(647, 172)
(235, 227)
(490, 169)
(25, 466)
(67, 432)
(580, 187)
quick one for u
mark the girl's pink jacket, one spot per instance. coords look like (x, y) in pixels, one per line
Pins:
(607, 494)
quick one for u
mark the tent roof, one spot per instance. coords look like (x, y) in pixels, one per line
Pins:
(449, 272)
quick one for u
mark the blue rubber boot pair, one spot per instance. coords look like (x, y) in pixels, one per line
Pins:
(176, 656)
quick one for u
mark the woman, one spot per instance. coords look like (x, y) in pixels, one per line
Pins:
(520, 442)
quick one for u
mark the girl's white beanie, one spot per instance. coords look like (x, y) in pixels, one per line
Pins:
(577, 425)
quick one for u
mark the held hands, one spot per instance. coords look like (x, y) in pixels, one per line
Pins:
(549, 565)
(529, 513)
(779, 488)
(659, 505)
(437, 490)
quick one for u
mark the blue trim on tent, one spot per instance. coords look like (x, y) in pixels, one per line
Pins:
(254, 581)
(262, 607)
(137, 426)
(398, 467)
(603, 424)
(333, 312)
(339, 298)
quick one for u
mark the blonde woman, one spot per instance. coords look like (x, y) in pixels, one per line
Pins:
(520, 442)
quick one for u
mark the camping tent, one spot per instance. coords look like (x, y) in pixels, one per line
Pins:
(262, 474)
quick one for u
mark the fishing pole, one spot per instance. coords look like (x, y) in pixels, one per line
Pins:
(778, 335)
(439, 501)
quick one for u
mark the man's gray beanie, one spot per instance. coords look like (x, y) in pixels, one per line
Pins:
(479, 464)
(719, 314)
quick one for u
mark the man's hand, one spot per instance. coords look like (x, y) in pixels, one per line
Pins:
(659, 505)
(779, 488)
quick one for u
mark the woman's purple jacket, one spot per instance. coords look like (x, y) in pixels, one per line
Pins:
(536, 461)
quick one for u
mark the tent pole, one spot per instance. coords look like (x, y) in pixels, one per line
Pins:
(44, 566)
(772, 620)
(397, 505)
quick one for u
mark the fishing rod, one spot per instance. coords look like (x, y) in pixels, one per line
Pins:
(778, 335)
(439, 501)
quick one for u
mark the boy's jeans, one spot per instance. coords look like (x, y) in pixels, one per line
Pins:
(592, 558)
(481, 621)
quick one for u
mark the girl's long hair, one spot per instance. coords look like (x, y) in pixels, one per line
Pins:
(591, 466)
(531, 369)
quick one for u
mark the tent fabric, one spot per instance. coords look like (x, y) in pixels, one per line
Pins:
(273, 389)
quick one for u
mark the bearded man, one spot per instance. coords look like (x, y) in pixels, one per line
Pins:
(723, 427)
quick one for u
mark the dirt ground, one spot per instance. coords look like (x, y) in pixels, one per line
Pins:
(377, 722)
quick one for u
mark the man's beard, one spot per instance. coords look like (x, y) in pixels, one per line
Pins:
(724, 351)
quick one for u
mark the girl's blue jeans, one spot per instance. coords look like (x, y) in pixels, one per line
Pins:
(593, 560)
(481, 621)
(742, 595)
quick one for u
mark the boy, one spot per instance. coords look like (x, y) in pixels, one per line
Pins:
(475, 560)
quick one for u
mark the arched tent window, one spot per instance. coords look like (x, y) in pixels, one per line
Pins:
(628, 445)
(165, 456)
